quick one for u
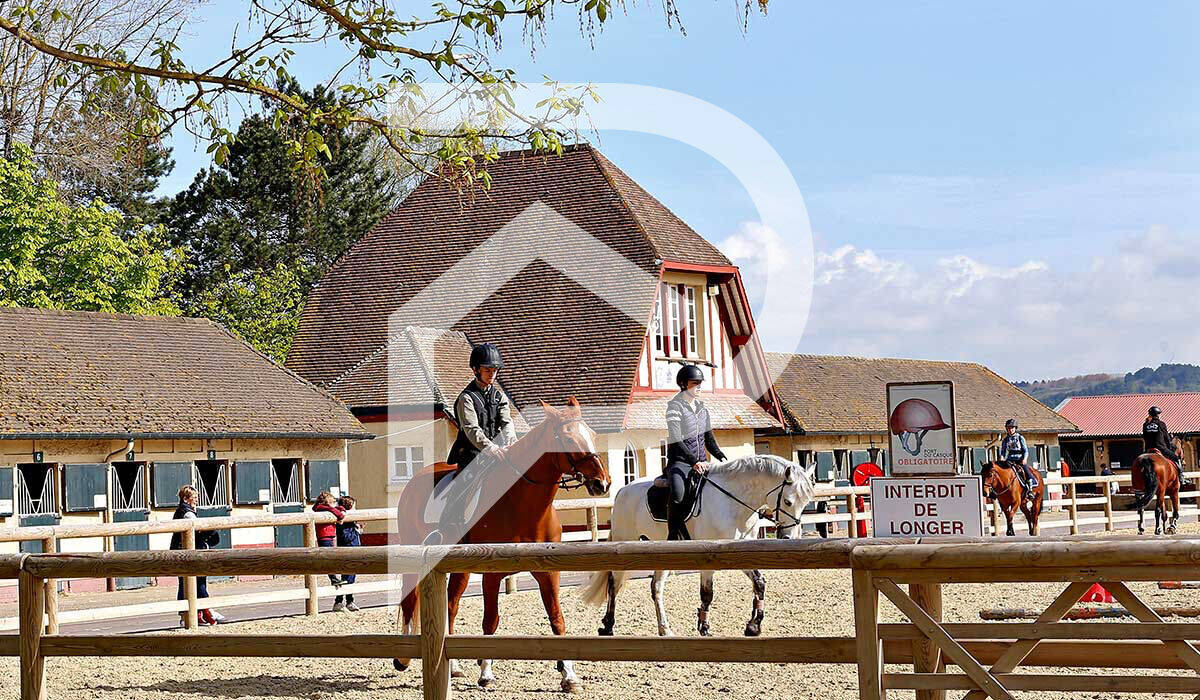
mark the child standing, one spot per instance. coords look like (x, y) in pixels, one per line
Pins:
(327, 533)
(348, 535)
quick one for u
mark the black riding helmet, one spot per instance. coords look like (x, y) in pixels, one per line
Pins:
(486, 355)
(1155, 411)
(688, 373)
(1010, 423)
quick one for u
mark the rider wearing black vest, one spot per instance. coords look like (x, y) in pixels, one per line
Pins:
(1155, 436)
(690, 441)
(485, 427)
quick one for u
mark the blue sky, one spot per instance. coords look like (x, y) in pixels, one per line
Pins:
(1043, 147)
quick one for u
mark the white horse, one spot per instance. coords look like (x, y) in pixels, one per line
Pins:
(744, 488)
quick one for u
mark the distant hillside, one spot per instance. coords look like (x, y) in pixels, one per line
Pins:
(1165, 379)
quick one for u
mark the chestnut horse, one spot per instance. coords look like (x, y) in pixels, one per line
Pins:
(1155, 477)
(561, 447)
(1002, 485)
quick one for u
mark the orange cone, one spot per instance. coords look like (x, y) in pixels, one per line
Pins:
(1097, 594)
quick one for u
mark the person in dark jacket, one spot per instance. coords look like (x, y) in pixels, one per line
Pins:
(348, 535)
(690, 441)
(1155, 436)
(205, 539)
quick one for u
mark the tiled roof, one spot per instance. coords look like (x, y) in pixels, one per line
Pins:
(85, 374)
(558, 338)
(1118, 415)
(422, 367)
(726, 411)
(833, 394)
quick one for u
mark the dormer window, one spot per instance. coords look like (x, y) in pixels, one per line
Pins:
(676, 325)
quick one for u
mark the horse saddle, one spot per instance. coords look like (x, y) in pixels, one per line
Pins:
(659, 495)
(466, 494)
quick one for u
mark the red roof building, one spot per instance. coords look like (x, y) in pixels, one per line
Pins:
(1111, 427)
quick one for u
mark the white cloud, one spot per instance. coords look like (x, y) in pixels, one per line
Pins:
(1116, 311)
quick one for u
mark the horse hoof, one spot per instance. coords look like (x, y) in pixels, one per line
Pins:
(665, 632)
(753, 630)
(605, 632)
(703, 630)
(400, 665)
(571, 686)
(457, 674)
(486, 682)
(1141, 530)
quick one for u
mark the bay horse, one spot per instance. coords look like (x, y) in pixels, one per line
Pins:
(1155, 477)
(1002, 485)
(737, 492)
(560, 448)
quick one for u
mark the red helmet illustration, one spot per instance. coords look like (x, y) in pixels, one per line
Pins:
(914, 418)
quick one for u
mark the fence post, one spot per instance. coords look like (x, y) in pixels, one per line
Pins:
(435, 667)
(592, 522)
(50, 544)
(1109, 526)
(312, 602)
(852, 509)
(866, 633)
(927, 657)
(1074, 508)
(188, 540)
(32, 605)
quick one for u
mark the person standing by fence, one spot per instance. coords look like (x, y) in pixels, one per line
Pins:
(327, 533)
(348, 535)
(205, 539)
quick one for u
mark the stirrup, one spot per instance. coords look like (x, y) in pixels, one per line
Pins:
(433, 539)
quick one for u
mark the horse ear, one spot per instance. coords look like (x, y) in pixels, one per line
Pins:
(573, 407)
(550, 410)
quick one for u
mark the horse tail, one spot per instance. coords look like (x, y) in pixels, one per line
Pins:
(595, 591)
(1149, 480)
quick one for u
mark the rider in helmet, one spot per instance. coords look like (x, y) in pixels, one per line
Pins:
(690, 441)
(1156, 437)
(1015, 452)
(485, 429)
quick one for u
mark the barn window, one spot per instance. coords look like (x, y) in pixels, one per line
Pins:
(630, 463)
(6, 491)
(323, 475)
(84, 487)
(676, 327)
(128, 486)
(406, 461)
(657, 326)
(168, 477)
(691, 321)
(35, 490)
(251, 482)
(212, 481)
(285, 481)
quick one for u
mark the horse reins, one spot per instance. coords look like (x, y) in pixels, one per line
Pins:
(567, 482)
(778, 491)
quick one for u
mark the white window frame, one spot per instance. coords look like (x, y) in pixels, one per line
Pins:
(657, 329)
(413, 459)
(673, 310)
(629, 462)
(692, 325)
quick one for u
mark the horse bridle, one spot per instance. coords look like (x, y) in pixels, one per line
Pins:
(567, 482)
(775, 515)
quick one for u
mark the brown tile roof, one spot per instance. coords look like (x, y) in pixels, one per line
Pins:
(833, 394)
(424, 367)
(727, 412)
(558, 338)
(85, 374)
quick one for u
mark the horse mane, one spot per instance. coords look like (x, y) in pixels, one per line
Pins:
(754, 465)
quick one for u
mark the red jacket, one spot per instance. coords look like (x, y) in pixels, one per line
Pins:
(328, 531)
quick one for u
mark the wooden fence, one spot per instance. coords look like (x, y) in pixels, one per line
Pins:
(50, 536)
(987, 654)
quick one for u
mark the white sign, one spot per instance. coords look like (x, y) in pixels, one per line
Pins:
(921, 428)
(927, 506)
(264, 494)
(99, 500)
(6, 505)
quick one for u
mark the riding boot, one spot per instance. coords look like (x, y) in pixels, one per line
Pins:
(1184, 483)
(452, 523)
(676, 523)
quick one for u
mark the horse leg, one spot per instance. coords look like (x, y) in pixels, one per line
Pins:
(610, 615)
(1160, 513)
(407, 617)
(1141, 516)
(706, 597)
(491, 621)
(1009, 513)
(548, 585)
(660, 609)
(1174, 526)
(457, 586)
(754, 626)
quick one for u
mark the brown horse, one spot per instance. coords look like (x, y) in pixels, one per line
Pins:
(561, 447)
(1155, 477)
(1002, 485)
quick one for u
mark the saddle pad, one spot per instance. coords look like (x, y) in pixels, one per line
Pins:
(657, 497)
(437, 500)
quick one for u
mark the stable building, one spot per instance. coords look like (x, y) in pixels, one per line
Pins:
(836, 412)
(605, 294)
(103, 417)
(1111, 428)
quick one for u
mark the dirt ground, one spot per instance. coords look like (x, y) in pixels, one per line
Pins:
(809, 603)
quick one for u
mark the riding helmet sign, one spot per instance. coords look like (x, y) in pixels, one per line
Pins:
(921, 427)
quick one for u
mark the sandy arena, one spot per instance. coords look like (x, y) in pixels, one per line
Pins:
(810, 603)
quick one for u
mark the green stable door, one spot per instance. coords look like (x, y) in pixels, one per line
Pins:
(131, 543)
